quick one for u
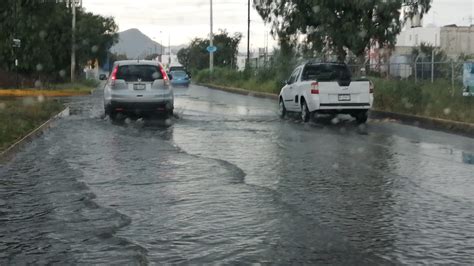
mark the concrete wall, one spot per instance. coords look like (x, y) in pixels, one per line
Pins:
(457, 40)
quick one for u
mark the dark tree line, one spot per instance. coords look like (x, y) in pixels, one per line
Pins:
(44, 28)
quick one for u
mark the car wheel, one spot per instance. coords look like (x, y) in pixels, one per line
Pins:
(362, 117)
(281, 109)
(113, 115)
(170, 113)
(305, 114)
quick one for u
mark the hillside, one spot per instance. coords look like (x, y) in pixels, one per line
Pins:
(135, 44)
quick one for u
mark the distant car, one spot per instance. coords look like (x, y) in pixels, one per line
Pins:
(177, 68)
(180, 78)
(138, 87)
(326, 88)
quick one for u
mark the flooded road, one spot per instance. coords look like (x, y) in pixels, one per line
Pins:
(226, 181)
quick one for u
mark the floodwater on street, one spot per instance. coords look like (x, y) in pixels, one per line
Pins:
(227, 181)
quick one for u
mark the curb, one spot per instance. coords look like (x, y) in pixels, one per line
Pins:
(241, 91)
(461, 128)
(32, 135)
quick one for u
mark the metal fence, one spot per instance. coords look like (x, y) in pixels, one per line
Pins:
(420, 71)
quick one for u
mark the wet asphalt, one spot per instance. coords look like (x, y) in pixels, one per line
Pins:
(227, 181)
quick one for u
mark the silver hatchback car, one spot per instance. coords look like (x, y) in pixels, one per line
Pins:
(138, 87)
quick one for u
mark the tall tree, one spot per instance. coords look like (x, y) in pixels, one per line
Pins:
(339, 26)
(44, 28)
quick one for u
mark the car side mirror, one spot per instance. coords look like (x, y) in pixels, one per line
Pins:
(102, 77)
(170, 76)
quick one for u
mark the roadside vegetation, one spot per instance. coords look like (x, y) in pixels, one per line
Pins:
(436, 100)
(54, 90)
(19, 116)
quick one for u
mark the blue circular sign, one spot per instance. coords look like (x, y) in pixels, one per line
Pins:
(211, 49)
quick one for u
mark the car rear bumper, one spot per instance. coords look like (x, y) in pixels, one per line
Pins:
(180, 82)
(141, 107)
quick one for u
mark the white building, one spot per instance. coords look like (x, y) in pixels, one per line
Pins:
(413, 37)
(452, 39)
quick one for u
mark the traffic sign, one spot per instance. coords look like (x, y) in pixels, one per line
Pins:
(211, 49)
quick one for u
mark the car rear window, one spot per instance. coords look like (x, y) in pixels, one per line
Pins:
(326, 72)
(178, 74)
(176, 68)
(145, 73)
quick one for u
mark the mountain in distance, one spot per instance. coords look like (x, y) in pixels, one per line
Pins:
(137, 45)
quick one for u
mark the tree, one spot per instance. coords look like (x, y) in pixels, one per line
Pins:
(44, 28)
(113, 57)
(195, 56)
(152, 56)
(339, 26)
(425, 53)
(183, 57)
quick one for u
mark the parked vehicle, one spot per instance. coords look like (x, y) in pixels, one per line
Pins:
(180, 78)
(138, 87)
(326, 88)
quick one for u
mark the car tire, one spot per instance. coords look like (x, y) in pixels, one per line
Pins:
(281, 109)
(305, 113)
(362, 117)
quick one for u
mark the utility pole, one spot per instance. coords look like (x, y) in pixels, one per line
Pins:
(211, 43)
(15, 46)
(73, 47)
(248, 35)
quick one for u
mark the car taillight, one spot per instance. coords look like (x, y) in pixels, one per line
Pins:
(163, 73)
(371, 87)
(315, 88)
(113, 76)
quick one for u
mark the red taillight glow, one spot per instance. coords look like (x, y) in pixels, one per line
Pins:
(113, 76)
(163, 73)
(315, 88)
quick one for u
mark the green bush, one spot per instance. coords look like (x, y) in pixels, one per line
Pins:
(240, 79)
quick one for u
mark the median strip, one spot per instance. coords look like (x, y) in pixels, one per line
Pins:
(23, 120)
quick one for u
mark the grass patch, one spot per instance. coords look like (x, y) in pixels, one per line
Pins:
(436, 100)
(18, 117)
(83, 87)
(243, 80)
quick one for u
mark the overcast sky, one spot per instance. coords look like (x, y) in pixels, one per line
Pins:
(185, 19)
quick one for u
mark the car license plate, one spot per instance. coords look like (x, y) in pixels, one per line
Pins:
(344, 97)
(139, 86)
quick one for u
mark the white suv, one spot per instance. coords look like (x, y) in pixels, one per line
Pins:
(326, 88)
